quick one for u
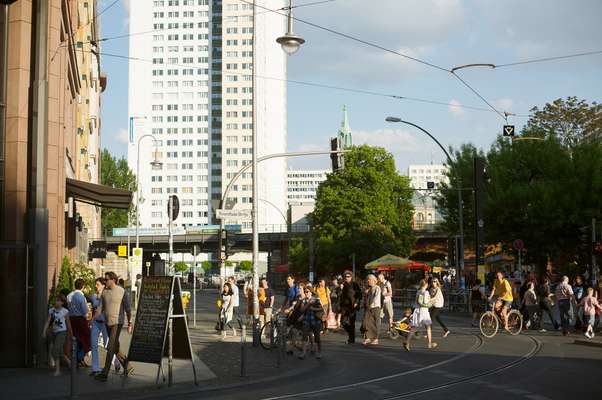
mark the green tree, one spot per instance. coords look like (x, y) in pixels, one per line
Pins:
(298, 255)
(570, 121)
(206, 265)
(65, 282)
(365, 208)
(116, 173)
(79, 270)
(245, 265)
(540, 191)
(180, 266)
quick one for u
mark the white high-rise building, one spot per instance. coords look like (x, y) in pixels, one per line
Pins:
(302, 185)
(425, 206)
(195, 98)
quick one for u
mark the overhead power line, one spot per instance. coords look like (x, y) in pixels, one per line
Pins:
(545, 59)
(322, 86)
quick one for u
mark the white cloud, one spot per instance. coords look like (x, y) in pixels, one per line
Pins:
(455, 108)
(503, 104)
(413, 27)
(122, 136)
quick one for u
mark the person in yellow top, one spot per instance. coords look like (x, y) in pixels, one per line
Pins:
(503, 294)
(323, 294)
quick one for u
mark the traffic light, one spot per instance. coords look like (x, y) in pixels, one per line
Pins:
(337, 159)
(430, 185)
(584, 239)
(452, 253)
(479, 190)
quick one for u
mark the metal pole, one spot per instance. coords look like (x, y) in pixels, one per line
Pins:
(194, 253)
(137, 189)
(460, 203)
(594, 267)
(170, 213)
(73, 376)
(243, 339)
(170, 351)
(255, 191)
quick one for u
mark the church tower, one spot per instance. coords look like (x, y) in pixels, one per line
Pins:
(345, 131)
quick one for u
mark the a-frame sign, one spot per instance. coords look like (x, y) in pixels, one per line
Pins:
(161, 328)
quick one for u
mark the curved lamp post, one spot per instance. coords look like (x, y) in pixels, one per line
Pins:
(155, 164)
(449, 160)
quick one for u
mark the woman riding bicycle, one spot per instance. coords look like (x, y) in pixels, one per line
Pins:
(503, 294)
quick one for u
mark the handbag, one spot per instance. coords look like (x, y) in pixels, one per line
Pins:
(331, 321)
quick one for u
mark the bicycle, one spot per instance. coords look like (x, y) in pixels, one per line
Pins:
(277, 329)
(490, 322)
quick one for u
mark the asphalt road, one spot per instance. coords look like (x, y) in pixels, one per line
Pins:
(464, 366)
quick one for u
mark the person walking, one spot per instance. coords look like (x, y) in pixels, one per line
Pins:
(311, 318)
(386, 291)
(111, 300)
(531, 307)
(477, 301)
(125, 310)
(544, 295)
(335, 299)
(421, 317)
(323, 293)
(372, 309)
(266, 302)
(438, 302)
(99, 328)
(291, 294)
(590, 305)
(235, 301)
(351, 297)
(564, 296)
(56, 328)
(227, 309)
(78, 316)
(579, 289)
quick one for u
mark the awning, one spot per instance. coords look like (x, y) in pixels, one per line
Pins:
(98, 195)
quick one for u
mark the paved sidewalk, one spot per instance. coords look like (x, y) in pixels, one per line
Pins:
(217, 365)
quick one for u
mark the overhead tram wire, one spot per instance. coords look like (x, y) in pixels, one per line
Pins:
(350, 37)
(546, 59)
(320, 85)
(107, 8)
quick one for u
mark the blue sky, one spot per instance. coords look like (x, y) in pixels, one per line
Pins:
(443, 32)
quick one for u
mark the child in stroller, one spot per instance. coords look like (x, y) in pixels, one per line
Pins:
(402, 327)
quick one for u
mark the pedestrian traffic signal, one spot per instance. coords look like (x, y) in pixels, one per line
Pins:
(584, 239)
(338, 162)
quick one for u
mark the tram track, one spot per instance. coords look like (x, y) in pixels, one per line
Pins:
(479, 342)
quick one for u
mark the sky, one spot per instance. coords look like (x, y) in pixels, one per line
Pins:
(445, 33)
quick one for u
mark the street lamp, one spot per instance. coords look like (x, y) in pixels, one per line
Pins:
(449, 161)
(155, 164)
(290, 42)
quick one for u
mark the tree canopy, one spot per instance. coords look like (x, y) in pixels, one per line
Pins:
(115, 173)
(540, 191)
(365, 209)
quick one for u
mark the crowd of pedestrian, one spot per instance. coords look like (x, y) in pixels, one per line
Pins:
(94, 322)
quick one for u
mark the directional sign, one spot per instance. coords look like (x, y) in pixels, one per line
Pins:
(509, 130)
(233, 214)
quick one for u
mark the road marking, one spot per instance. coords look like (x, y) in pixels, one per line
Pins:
(537, 397)
(478, 343)
(517, 391)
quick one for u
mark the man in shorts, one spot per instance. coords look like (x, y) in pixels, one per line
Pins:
(503, 294)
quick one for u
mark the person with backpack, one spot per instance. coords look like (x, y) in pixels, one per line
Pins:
(335, 300)
(291, 294)
(323, 293)
(386, 295)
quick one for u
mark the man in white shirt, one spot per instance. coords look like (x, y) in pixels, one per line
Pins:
(387, 298)
(235, 300)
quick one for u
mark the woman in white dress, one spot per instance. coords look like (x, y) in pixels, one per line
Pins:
(421, 316)
(226, 311)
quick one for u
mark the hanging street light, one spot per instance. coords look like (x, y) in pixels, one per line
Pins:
(290, 42)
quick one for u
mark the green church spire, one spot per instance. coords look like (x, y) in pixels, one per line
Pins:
(345, 131)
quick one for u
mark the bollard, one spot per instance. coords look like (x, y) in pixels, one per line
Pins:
(276, 325)
(243, 338)
(73, 365)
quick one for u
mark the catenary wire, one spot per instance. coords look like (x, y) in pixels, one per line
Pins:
(545, 59)
(323, 86)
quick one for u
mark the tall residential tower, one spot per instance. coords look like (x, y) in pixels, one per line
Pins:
(195, 97)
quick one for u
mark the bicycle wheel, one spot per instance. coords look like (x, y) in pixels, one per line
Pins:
(515, 322)
(264, 337)
(488, 324)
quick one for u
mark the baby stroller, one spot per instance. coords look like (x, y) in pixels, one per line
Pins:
(402, 328)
